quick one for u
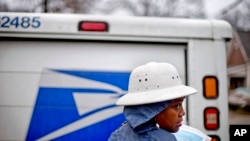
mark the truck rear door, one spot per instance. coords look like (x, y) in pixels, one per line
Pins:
(54, 89)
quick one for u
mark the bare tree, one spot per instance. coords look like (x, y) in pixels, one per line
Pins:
(59, 6)
(193, 9)
(238, 15)
(70, 6)
(3, 7)
(160, 8)
(21, 5)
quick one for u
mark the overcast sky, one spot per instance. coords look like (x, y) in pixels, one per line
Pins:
(213, 7)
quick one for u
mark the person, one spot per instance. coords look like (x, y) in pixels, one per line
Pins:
(153, 105)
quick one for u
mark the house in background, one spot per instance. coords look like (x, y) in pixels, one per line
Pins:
(238, 60)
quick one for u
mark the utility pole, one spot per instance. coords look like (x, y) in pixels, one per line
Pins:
(45, 6)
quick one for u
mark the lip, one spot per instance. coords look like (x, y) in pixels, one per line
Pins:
(179, 124)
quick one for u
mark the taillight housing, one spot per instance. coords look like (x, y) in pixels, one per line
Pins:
(210, 87)
(95, 26)
(211, 118)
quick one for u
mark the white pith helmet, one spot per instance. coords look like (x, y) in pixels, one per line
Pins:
(154, 82)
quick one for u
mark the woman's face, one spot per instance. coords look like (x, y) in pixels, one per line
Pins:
(171, 118)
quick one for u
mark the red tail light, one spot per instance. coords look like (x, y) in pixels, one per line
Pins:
(93, 26)
(211, 118)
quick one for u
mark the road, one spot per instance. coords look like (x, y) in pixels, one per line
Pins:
(239, 117)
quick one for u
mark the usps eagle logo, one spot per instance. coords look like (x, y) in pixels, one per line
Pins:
(77, 105)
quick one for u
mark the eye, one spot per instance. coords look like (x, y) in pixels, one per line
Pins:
(177, 106)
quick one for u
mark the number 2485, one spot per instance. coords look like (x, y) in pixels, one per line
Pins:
(20, 22)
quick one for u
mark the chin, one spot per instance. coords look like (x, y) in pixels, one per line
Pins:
(175, 130)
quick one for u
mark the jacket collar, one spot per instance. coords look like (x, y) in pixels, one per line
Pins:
(141, 117)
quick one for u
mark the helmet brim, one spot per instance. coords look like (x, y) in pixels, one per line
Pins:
(155, 96)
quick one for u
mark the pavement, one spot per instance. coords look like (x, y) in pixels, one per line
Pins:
(239, 117)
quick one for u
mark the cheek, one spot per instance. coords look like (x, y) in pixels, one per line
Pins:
(167, 120)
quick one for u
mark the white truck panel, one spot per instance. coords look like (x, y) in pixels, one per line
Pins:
(22, 63)
(98, 55)
(211, 64)
(121, 26)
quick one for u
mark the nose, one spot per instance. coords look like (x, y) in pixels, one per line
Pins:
(182, 111)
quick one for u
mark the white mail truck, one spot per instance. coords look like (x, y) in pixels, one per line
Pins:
(61, 74)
